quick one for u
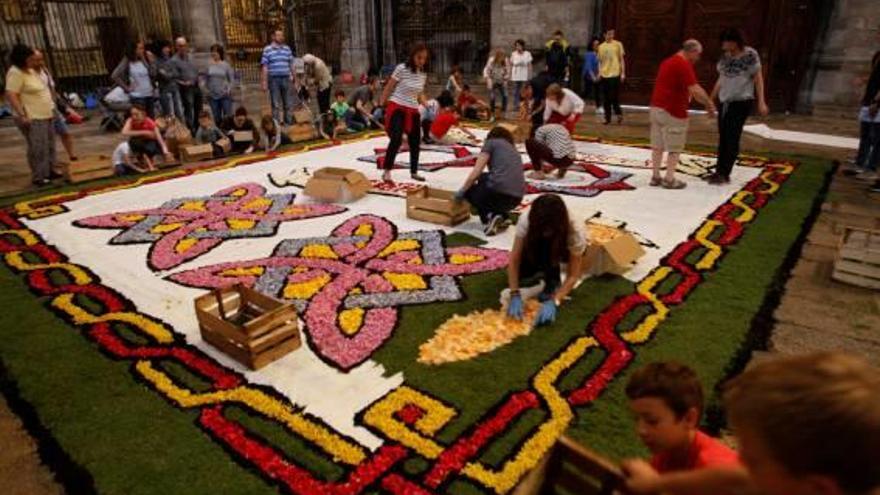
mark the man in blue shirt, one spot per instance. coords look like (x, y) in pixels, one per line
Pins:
(277, 76)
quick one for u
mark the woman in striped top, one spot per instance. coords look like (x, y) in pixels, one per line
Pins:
(401, 97)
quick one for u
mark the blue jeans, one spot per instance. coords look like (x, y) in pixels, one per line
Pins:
(498, 89)
(221, 108)
(869, 146)
(517, 89)
(169, 99)
(279, 96)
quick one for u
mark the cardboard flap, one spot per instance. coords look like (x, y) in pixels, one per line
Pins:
(624, 250)
(346, 175)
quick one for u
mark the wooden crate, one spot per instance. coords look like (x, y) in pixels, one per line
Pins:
(248, 326)
(88, 168)
(858, 258)
(196, 153)
(436, 206)
(301, 132)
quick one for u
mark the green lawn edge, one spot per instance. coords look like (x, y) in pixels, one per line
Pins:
(109, 425)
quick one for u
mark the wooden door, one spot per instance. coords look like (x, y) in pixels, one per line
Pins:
(783, 32)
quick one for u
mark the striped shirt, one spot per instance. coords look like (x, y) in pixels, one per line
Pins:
(409, 86)
(556, 138)
(278, 59)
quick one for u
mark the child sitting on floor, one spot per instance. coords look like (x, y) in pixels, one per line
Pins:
(240, 125)
(272, 137)
(124, 163)
(806, 424)
(667, 400)
(144, 137)
(207, 133)
(344, 113)
(330, 127)
(470, 106)
(446, 129)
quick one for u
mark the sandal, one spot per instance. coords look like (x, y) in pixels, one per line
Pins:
(674, 184)
(656, 182)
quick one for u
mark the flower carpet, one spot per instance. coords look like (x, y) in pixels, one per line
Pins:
(357, 409)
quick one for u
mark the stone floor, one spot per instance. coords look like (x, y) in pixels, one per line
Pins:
(815, 312)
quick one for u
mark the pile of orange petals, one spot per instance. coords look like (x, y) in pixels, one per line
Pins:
(465, 337)
(601, 234)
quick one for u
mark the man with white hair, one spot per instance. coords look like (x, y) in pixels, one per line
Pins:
(318, 76)
(190, 93)
(278, 76)
(676, 84)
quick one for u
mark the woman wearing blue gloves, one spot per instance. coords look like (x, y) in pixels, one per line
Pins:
(545, 239)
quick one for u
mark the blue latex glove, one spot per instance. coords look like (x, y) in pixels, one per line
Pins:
(515, 308)
(459, 195)
(547, 314)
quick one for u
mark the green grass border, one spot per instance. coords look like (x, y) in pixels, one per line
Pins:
(73, 418)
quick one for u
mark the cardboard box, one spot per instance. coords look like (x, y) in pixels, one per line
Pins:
(436, 206)
(302, 115)
(301, 132)
(88, 168)
(610, 250)
(520, 130)
(243, 136)
(337, 185)
(196, 153)
(247, 326)
(176, 144)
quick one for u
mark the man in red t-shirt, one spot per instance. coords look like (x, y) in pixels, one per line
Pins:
(675, 86)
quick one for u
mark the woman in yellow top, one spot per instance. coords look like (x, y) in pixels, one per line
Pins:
(32, 104)
(612, 73)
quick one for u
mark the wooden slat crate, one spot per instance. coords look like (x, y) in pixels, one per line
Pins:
(858, 258)
(248, 326)
(88, 168)
(436, 206)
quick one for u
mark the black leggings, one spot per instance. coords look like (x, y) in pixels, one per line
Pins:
(731, 120)
(414, 138)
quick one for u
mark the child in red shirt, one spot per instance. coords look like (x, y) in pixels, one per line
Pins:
(469, 105)
(144, 137)
(667, 399)
(447, 120)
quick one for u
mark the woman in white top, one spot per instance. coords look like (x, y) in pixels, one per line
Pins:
(401, 97)
(497, 73)
(563, 106)
(520, 69)
(545, 239)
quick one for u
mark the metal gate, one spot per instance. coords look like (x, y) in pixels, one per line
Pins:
(82, 39)
(248, 25)
(456, 32)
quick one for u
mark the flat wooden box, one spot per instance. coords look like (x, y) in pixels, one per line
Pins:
(436, 206)
(301, 132)
(88, 168)
(258, 329)
(858, 258)
(196, 153)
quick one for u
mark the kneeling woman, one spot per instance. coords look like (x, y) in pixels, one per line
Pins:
(545, 239)
(496, 192)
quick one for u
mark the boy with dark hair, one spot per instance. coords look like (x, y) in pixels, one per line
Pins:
(806, 425)
(469, 105)
(667, 399)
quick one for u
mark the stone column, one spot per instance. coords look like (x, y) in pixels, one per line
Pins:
(356, 24)
(204, 23)
(842, 59)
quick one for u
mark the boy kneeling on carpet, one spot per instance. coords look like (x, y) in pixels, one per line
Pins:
(546, 238)
(667, 400)
(445, 129)
(806, 425)
(241, 123)
(207, 133)
(144, 137)
(496, 192)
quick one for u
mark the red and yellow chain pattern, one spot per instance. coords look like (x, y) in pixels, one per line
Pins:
(406, 418)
